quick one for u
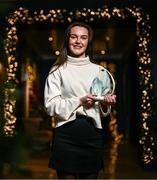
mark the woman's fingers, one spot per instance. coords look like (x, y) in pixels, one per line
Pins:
(110, 99)
(89, 100)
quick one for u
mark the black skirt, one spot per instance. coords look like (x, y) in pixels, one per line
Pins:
(77, 146)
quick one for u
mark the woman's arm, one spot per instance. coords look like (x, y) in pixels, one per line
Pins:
(54, 103)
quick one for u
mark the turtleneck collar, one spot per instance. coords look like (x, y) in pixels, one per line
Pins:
(78, 61)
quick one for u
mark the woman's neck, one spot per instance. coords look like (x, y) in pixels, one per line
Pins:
(78, 60)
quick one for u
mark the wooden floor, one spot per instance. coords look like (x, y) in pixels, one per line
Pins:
(122, 162)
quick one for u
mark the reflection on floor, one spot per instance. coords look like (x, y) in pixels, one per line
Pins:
(125, 166)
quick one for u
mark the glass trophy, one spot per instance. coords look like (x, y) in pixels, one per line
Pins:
(102, 85)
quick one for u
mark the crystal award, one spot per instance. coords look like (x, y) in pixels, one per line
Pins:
(102, 85)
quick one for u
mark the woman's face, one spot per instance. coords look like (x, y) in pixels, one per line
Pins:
(78, 41)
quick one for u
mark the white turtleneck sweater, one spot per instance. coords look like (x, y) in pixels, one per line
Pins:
(65, 86)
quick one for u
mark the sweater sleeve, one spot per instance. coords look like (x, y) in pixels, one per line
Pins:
(55, 105)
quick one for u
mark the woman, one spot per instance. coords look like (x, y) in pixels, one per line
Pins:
(77, 148)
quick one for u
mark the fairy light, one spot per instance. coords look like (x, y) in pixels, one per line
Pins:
(145, 88)
(57, 53)
(102, 52)
(88, 15)
(113, 154)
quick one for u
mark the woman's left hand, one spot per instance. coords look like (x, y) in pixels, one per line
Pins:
(109, 100)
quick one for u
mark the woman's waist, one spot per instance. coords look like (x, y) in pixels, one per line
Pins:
(82, 127)
(80, 113)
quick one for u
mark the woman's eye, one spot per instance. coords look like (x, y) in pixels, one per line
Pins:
(78, 37)
(72, 37)
(84, 37)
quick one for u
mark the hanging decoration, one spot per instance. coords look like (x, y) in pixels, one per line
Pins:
(144, 66)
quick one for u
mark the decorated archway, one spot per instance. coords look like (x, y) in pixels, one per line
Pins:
(144, 66)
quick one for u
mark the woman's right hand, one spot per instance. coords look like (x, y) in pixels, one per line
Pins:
(87, 101)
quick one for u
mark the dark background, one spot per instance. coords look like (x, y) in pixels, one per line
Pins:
(148, 6)
(8, 6)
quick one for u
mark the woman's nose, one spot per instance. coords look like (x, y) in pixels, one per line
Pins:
(78, 39)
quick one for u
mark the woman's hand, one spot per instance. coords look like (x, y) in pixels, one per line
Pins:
(109, 100)
(87, 101)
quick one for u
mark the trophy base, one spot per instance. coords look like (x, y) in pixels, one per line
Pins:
(99, 98)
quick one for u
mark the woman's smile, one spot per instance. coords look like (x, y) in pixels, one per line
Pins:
(78, 41)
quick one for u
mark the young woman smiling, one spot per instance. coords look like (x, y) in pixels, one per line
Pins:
(77, 145)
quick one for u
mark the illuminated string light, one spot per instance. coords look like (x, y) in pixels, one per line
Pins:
(62, 16)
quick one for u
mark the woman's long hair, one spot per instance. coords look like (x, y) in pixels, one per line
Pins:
(65, 45)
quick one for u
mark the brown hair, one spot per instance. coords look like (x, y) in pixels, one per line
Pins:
(65, 48)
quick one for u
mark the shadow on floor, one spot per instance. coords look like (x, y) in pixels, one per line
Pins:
(120, 163)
